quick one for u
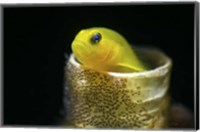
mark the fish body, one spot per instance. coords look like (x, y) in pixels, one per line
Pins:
(104, 49)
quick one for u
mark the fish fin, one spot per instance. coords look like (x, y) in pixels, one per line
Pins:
(124, 68)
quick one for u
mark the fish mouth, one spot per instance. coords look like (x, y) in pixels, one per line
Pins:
(80, 50)
(78, 46)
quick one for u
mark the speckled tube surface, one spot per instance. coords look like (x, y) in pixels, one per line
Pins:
(119, 100)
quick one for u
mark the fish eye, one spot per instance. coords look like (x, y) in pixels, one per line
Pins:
(96, 38)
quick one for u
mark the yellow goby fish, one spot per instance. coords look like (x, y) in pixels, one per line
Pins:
(104, 49)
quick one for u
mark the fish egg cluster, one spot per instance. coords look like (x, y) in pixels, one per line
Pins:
(98, 100)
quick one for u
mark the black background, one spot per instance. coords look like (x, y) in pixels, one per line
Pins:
(36, 39)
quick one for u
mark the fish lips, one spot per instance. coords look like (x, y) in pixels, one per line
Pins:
(80, 49)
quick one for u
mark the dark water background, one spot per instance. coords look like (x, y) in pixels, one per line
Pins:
(36, 38)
